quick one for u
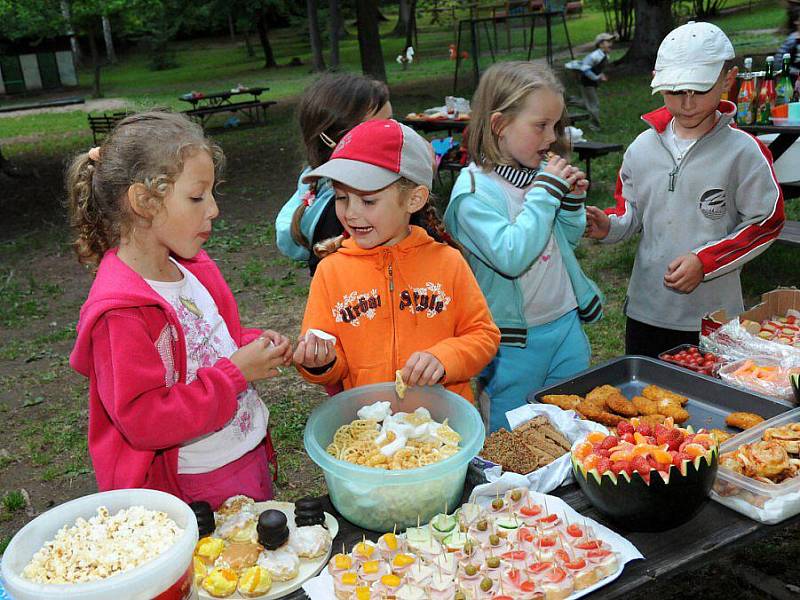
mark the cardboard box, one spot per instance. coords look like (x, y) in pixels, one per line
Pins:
(773, 303)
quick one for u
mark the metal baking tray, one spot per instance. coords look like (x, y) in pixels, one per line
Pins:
(710, 400)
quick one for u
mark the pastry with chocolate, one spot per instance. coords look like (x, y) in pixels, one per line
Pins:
(308, 511)
(273, 530)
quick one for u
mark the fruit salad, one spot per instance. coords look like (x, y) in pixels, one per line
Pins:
(638, 447)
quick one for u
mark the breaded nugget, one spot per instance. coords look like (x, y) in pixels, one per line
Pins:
(621, 405)
(590, 410)
(720, 435)
(562, 401)
(673, 409)
(653, 419)
(658, 393)
(645, 406)
(743, 420)
(599, 394)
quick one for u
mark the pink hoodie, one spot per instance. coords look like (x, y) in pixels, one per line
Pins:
(131, 347)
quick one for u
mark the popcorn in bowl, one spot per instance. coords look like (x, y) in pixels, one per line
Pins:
(103, 546)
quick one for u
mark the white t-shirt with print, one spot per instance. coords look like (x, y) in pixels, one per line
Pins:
(208, 340)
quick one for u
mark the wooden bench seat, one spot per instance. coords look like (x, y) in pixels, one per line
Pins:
(255, 111)
(101, 125)
(790, 233)
(588, 150)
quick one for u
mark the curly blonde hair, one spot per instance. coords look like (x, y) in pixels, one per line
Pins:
(149, 148)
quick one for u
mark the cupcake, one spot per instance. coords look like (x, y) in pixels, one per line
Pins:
(208, 549)
(240, 527)
(283, 564)
(254, 581)
(310, 541)
(220, 583)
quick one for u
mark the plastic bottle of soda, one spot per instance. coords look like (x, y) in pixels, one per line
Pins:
(766, 96)
(783, 91)
(747, 92)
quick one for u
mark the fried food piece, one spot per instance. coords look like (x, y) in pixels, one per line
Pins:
(720, 435)
(591, 410)
(743, 420)
(621, 405)
(562, 401)
(787, 436)
(673, 409)
(599, 394)
(658, 393)
(653, 419)
(645, 406)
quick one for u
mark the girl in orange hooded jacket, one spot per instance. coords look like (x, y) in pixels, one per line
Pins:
(394, 297)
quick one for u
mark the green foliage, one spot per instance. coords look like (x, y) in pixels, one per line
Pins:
(13, 501)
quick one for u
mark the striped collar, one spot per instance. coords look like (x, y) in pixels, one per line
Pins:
(520, 178)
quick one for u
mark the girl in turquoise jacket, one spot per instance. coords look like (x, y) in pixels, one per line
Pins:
(520, 218)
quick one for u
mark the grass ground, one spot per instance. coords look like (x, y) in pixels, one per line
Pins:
(43, 402)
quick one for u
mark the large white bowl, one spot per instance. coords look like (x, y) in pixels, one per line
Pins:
(169, 573)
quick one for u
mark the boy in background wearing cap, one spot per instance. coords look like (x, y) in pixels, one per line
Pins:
(395, 296)
(701, 193)
(591, 73)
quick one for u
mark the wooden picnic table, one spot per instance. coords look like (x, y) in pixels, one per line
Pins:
(713, 532)
(459, 125)
(205, 106)
(787, 135)
(214, 99)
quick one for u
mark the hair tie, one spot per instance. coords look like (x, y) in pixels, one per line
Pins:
(94, 154)
(326, 139)
(309, 197)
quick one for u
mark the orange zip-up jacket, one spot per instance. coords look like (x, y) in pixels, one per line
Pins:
(385, 303)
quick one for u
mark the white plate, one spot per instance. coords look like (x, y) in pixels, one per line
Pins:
(309, 567)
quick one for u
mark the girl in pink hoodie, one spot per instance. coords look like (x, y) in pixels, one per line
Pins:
(159, 337)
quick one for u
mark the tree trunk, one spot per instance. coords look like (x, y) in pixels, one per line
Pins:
(653, 23)
(261, 25)
(109, 40)
(403, 18)
(231, 26)
(412, 23)
(334, 24)
(369, 41)
(95, 61)
(248, 44)
(73, 40)
(318, 60)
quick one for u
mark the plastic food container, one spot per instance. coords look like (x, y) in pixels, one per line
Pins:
(764, 502)
(169, 576)
(667, 357)
(377, 499)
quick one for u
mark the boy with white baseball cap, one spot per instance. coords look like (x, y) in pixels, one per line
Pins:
(702, 194)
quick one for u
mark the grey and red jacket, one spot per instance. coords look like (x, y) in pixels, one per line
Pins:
(722, 202)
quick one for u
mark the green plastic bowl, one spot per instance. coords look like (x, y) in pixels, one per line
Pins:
(377, 499)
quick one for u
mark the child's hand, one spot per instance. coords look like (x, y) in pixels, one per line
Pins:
(313, 352)
(684, 273)
(602, 77)
(581, 184)
(560, 168)
(277, 339)
(260, 358)
(422, 368)
(597, 223)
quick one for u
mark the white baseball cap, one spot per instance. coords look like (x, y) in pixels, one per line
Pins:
(691, 57)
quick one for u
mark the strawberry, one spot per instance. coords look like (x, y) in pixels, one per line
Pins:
(640, 465)
(660, 430)
(624, 427)
(604, 465)
(628, 437)
(621, 465)
(609, 442)
(679, 457)
(674, 445)
(662, 437)
(652, 462)
(645, 429)
(603, 453)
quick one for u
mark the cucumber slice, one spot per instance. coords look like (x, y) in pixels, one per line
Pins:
(508, 523)
(418, 535)
(456, 541)
(443, 523)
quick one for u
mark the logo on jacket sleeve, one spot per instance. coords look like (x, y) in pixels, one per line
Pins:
(430, 299)
(356, 305)
(713, 204)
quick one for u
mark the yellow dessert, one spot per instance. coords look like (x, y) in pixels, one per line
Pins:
(254, 581)
(220, 583)
(208, 549)
(200, 569)
(240, 555)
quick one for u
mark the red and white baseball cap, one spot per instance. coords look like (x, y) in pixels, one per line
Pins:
(377, 153)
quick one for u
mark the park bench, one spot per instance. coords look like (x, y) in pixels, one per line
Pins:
(790, 233)
(255, 111)
(588, 150)
(102, 125)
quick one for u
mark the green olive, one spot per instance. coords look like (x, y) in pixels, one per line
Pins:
(482, 525)
(493, 562)
(462, 527)
(468, 548)
(497, 503)
(470, 570)
(516, 495)
(494, 539)
(486, 584)
(459, 596)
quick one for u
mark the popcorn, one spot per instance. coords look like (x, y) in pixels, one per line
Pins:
(103, 546)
